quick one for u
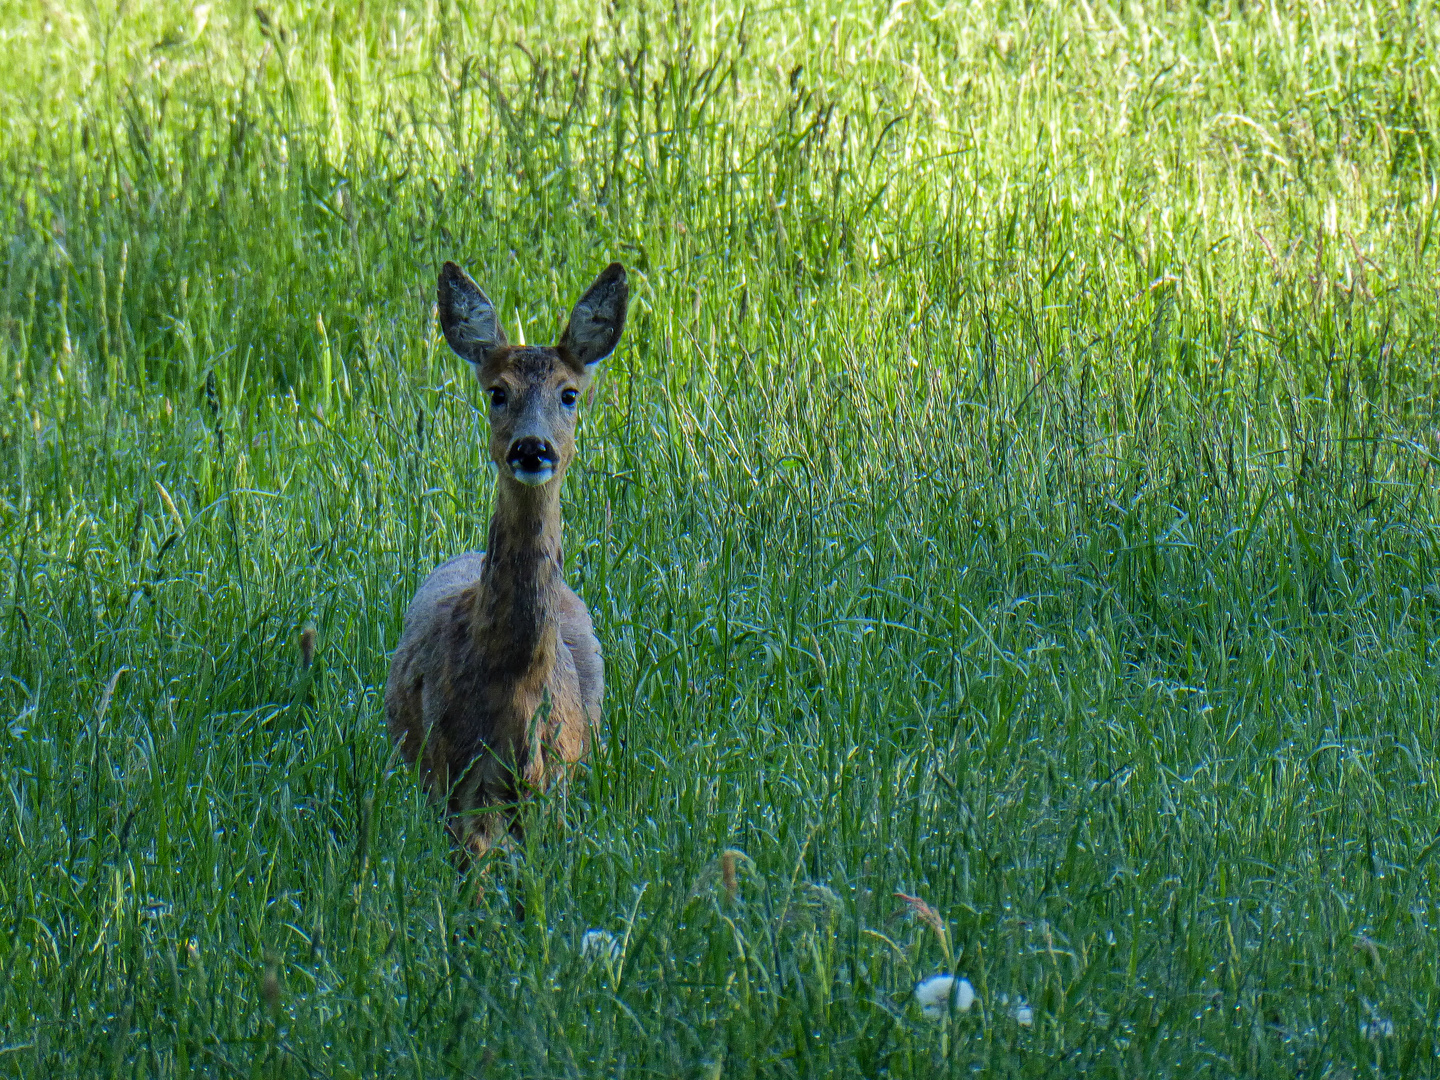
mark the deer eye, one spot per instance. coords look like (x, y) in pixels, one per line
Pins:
(568, 397)
(497, 397)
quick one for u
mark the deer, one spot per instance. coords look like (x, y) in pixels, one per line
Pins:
(495, 686)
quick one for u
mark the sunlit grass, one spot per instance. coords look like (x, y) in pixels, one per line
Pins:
(1014, 500)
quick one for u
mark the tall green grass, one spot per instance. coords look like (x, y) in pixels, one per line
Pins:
(1016, 488)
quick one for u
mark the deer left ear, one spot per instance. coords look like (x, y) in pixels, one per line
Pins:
(598, 319)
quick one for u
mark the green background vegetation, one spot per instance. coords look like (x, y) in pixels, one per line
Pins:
(1016, 488)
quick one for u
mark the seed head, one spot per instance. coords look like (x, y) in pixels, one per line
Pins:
(727, 873)
(722, 875)
(930, 917)
(169, 505)
(307, 645)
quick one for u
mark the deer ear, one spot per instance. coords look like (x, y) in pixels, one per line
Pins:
(467, 316)
(595, 325)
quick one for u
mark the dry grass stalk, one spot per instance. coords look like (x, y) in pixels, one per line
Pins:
(727, 873)
(930, 917)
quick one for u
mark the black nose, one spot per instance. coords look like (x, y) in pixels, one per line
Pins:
(531, 454)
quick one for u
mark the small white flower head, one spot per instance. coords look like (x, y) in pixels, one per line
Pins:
(1377, 1027)
(1022, 1014)
(1374, 1026)
(937, 993)
(599, 945)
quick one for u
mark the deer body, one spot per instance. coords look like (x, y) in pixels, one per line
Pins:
(497, 681)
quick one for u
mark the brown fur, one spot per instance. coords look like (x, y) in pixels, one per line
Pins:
(492, 638)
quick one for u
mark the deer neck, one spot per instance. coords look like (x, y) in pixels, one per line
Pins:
(517, 620)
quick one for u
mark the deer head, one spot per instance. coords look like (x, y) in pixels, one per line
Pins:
(533, 390)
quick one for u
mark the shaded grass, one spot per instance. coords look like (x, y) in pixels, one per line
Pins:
(1016, 488)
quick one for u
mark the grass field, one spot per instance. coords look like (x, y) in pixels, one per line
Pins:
(1017, 488)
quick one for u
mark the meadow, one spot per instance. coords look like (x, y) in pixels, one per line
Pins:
(1016, 490)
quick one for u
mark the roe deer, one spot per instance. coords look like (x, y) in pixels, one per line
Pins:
(493, 636)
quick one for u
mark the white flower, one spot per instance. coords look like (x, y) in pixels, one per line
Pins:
(1020, 1012)
(599, 945)
(1377, 1027)
(937, 992)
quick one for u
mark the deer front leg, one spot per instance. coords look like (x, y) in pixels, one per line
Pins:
(474, 834)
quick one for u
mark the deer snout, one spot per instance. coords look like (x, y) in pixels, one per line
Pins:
(532, 460)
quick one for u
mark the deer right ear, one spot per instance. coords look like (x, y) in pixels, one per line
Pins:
(467, 316)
